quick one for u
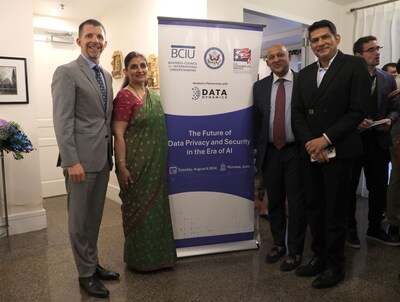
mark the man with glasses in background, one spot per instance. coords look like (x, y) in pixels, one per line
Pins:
(376, 141)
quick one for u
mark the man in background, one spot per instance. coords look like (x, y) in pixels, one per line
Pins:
(376, 141)
(391, 68)
(393, 193)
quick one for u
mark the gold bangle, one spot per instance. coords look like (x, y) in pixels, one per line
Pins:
(120, 160)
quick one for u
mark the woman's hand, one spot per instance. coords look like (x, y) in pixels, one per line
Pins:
(124, 177)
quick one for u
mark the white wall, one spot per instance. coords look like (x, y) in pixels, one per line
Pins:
(47, 57)
(226, 10)
(305, 12)
(134, 25)
(24, 194)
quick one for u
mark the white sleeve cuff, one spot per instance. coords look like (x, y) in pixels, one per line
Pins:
(327, 138)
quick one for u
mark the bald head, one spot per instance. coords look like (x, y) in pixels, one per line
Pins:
(278, 59)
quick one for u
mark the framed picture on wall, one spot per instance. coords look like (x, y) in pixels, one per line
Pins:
(13, 81)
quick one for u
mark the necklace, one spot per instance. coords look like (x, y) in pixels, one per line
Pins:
(137, 94)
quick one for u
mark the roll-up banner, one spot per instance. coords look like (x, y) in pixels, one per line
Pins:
(207, 70)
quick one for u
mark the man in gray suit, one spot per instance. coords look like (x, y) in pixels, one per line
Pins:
(82, 106)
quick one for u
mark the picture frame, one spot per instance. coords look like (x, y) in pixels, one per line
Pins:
(117, 65)
(13, 81)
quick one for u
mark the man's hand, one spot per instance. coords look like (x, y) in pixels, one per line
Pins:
(76, 173)
(395, 95)
(364, 125)
(383, 127)
(316, 147)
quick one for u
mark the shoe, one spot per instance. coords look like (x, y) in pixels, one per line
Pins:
(381, 236)
(328, 278)
(291, 262)
(104, 274)
(265, 216)
(274, 254)
(393, 233)
(93, 287)
(313, 268)
(352, 239)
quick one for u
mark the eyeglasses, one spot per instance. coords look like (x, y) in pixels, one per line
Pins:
(324, 38)
(373, 49)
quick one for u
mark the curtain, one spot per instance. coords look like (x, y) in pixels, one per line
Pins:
(383, 22)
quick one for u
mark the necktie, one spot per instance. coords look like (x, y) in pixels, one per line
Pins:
(279, 135)
(99, 80)
(373, 84)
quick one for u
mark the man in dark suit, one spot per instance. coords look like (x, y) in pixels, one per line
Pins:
(82, 106)
(328, 105)
(376, 142)
(279, 159)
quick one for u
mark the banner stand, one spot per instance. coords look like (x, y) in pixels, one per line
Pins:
(217, 248)
(207, 70)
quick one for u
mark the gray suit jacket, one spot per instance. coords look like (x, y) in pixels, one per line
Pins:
(82, 126)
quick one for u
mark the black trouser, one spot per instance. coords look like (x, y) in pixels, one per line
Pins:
(375, 161)
(283, 179)
(327, 193)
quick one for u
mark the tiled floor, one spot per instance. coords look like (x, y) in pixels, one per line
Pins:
(38, 266)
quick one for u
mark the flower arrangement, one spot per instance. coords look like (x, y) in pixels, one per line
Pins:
(13, 139)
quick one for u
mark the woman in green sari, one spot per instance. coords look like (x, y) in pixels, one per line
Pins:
(140, 145)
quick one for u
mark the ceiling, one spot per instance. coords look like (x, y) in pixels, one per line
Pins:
(84, 9)
(344, 2)
(277, 30)
(73, 9)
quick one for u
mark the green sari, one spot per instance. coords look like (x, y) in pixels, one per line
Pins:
(149, 241)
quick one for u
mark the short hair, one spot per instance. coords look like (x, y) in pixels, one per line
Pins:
(386, 66)
(320, 24)
(358, 45)
(90, 22)
(398, 66)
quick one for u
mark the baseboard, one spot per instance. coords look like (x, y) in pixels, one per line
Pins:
(26, 222)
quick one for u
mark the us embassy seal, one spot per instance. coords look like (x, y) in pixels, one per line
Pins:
(214, 58)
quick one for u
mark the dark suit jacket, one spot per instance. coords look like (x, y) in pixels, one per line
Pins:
(335, 108)
(262, 110)
(386, 107)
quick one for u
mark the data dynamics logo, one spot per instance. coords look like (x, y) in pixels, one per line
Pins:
(214, 58)
(196, 93)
